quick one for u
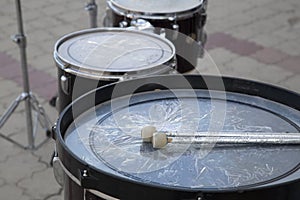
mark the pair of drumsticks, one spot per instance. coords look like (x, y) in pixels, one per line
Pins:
(161, 139)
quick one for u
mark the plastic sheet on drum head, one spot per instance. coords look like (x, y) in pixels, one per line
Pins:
(114, 141)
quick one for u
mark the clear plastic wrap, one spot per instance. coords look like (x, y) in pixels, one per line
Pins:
(112, 141)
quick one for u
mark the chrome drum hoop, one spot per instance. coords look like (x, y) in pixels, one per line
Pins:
(157, 16)
(168, 67)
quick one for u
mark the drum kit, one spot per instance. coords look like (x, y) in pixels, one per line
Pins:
(133, 126)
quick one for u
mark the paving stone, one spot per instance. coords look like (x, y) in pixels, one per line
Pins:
(61, 30)
(287, 33)
(34, 5)
(54, 10)
(7, 44)
(6, 20)
(291, 63)
(243, 32)
(34, 51)
(243, 47)
(269, 56)
(47, 91)
(281, 6)
(207, 65)
(267, 40)
(290, 47)
(37, 24)
(292, 83)
(250, 68)
(74, 16)
(11, 127)
(45, 153)
(8, 100)
(37, 188)
(60, 197)
(218, 39)
(20, 166)
(39, 36)
(261, 11)
(43, 62)
(8, 88)
(11, 192)
(222, 56)
(2, 182)
(7, 150)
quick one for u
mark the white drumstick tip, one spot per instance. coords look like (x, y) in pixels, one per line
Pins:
(159, 140)
(147, 133)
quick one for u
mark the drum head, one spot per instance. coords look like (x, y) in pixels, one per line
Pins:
(121, 51)
(157, 7)
(108, 138)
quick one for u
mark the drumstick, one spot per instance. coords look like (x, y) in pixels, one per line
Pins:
(161, 139)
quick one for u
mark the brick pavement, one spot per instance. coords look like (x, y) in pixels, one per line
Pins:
(255, 39)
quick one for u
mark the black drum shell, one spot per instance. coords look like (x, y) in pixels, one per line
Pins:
(124, 189)
(187, 52)
(85, 79)
(86, 85)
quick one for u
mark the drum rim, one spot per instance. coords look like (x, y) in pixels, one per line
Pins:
(83, 71)
(63, 149)
(154, 16)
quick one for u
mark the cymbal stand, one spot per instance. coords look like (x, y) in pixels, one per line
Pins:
(31, 103)
(92, 7)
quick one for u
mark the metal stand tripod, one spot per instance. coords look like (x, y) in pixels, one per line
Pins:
(91, 7)
(29, 99)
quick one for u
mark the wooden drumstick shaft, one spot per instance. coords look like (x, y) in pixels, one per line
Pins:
(235, 134)
(161, 139)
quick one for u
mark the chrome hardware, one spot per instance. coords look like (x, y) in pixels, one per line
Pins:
(162, 32)
(65, 84)
(175, 27)
(58, 171)
(123, 24)
(142, 25)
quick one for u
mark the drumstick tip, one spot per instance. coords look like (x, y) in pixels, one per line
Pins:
(147, 133)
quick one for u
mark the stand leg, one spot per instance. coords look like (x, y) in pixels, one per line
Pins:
(20, 39)
(92, 8)
(11, 109)
(30, 100)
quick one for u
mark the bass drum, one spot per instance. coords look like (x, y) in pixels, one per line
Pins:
(101, 153)
(95, 57)
(187, 17)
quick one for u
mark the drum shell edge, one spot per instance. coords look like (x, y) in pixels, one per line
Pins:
(286, 191)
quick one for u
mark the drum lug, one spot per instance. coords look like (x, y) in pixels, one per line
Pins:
(142, 25)
(58, 170)
(175, 28)
(201, 42)
(123, 24)
(65, 84)
(162, 32)
(87, 181)
(53, 132)
(200, 197)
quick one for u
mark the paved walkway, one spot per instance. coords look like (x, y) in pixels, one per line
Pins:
(255, 39)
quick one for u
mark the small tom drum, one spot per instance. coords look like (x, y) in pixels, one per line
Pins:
(91, 58)
(187, 17)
